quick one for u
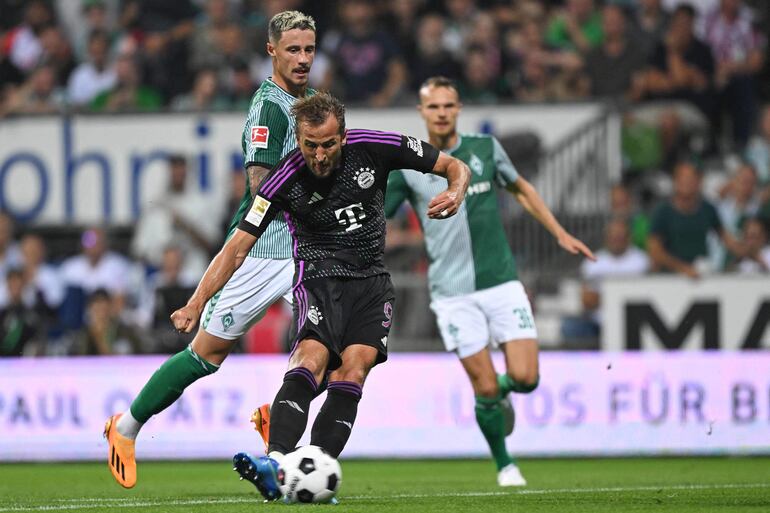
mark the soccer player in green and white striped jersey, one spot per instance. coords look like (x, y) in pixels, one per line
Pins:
(475, 292)
(266, 276)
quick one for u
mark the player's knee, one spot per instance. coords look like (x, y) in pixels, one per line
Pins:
(526, 381)
(487, 388)
(353, 374)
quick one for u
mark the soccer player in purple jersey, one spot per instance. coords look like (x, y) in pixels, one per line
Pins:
(331, 190)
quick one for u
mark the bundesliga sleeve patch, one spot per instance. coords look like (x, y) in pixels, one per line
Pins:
(258, 210)
(259, 136)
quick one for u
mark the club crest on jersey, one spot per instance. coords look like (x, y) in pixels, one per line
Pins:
(258, 211)
(415, 145)
(476, 165)
(259, 136)
(227, 321)
(314, 315)
(365, 177)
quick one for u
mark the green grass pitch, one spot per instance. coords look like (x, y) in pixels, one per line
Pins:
(565, 485)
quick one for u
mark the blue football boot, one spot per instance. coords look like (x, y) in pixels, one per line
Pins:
(261, 472)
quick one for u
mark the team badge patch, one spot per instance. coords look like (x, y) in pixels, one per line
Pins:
(365, 177)
(227, 321)
(476, 165)
(259, 136)
(415, 145)
(258, 211)
(314, 315)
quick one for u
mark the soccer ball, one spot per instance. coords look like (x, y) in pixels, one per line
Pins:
(309, 474)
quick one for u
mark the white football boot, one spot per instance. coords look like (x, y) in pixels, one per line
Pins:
(510, 475)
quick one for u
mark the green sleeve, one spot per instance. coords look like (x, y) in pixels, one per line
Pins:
(396, 194)
(264, 135)
(505, 172)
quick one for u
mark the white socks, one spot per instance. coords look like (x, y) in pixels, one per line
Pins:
(128, 426)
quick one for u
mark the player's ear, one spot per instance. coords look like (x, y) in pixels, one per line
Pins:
(270, 49)
(344, 139)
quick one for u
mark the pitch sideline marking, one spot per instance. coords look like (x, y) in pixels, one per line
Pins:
(90, 502)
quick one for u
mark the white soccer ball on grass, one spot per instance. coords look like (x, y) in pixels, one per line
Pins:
(309, 474)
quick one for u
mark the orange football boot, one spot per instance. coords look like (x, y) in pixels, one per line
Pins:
(120, 455)
(261, 420)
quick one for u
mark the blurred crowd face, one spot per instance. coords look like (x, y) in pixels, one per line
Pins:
(357, 17)
(580, 9)
(126, 71)
(6, 231)
(730, 8)
(439, 107)
(94, 243)
(765, 123)
(37, 15)
(620, 201)
(476, 71)
(617, 238)
(43, 81)
(15, 285)
(177, 175)
(206, 84)
(430, 34)
(32, 250)
(172, 263)
(217, 12)
(460, 10)
(681, 28)
(687, 182)
(650, 5)
(98, 49)
(745, 183)
(96, 16)
(754, 236)
(55, 45)
(613, 22)
(293, 56)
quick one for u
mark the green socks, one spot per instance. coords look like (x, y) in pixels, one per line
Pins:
(168, 383)
(507, 385)
(489, 416)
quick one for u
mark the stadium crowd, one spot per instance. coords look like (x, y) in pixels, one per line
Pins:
(691, 80)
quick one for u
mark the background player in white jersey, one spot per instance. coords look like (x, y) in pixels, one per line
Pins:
(331, 191)
(475, 292)
(267, 272)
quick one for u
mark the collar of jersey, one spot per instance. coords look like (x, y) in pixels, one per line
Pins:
(457, 144)
(283, 91)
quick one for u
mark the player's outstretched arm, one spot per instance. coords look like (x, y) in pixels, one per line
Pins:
(528, 197)
(229, 258)
(447, 203)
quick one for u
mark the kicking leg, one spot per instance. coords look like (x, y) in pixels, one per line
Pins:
(334, 423)
(522, 370)
(201, 358)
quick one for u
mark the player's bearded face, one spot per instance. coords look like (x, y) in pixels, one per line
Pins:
(321, 146)
(439, 107)
(293, 56)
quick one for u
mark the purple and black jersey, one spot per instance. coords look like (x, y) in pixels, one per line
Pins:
(338, 223)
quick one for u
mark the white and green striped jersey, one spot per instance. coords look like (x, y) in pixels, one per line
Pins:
(267, 137)
(467, 252)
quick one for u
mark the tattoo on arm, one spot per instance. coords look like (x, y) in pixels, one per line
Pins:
(256, 174)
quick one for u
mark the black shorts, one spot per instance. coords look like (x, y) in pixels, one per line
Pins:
(339, 312)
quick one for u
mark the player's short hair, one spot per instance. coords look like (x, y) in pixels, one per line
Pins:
(315, 109)
(439, 81)
(288, 20)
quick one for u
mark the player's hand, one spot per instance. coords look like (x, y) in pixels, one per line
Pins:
(185, 319)
(445, 204)
(575, 246)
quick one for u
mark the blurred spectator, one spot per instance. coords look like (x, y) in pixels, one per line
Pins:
(404, 22)
(43, 288)
(430, 58)
(577, 27)
(617, 258)
(367, 61)
(240, 87)
(485, 36)
(163, 29)
(611, 65)
(757, 258)
(739, 199)
(623, 206)
(236, 192)
(460, 13)
(681, 66)
(23, 42)
(38, 95)
(652, 23)
(95, 76)
(128, 94)
(478, 83)
(20, 333)
(541, 72)
(57, 51)
(96, 267)
(174, 218)
(10, 254)
(167, 290)
(204, 96)
(95, 17)
(104, 333)
(680, 227)
(738, 54)
(758, 152)
(212, 34)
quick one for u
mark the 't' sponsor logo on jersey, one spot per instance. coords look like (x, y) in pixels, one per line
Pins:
(259, 136)
(351, 216)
